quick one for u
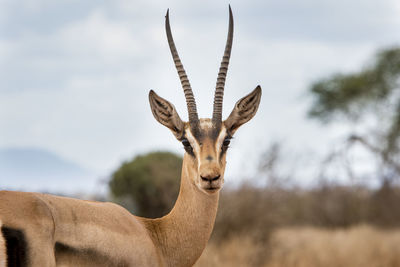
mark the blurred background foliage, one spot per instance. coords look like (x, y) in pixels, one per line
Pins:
(254, 221)
(355, 94)
(369, 100)
(148, 185)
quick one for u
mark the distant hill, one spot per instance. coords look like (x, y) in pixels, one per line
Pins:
(37, 169)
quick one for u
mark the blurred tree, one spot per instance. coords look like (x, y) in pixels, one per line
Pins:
(149, 184)
(369, 98)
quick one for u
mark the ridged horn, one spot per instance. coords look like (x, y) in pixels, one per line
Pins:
(187, 89)
(219, 89)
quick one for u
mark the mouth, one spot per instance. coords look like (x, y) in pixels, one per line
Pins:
(211, 189)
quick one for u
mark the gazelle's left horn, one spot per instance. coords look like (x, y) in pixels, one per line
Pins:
(219, 89)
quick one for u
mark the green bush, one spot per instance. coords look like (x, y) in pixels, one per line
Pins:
(149, 184)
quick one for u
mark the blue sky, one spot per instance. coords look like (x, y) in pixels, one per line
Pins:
(75, 75)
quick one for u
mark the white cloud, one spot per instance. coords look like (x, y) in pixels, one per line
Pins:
(77, 82)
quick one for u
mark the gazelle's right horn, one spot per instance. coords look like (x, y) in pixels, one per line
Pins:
(187, 89)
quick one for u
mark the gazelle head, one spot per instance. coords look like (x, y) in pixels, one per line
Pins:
(205, 141)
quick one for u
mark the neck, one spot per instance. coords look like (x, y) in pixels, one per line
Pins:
(182, 235)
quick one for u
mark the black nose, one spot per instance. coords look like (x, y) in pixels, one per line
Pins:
(209, 178)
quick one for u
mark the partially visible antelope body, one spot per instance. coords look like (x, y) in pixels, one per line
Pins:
(44, 230)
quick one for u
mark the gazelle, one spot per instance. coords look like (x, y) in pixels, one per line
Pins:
(45, 230)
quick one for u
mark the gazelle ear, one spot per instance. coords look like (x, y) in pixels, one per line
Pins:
(165, 113)
(244, 110)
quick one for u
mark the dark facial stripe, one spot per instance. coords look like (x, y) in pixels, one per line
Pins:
(17, 248)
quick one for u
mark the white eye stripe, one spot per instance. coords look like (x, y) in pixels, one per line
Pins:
(192, 141)
(220, 139)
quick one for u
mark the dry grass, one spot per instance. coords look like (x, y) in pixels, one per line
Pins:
(361, 246)
(235, 252)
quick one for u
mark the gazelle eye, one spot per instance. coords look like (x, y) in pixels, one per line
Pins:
(226, 142)
(187, 146)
